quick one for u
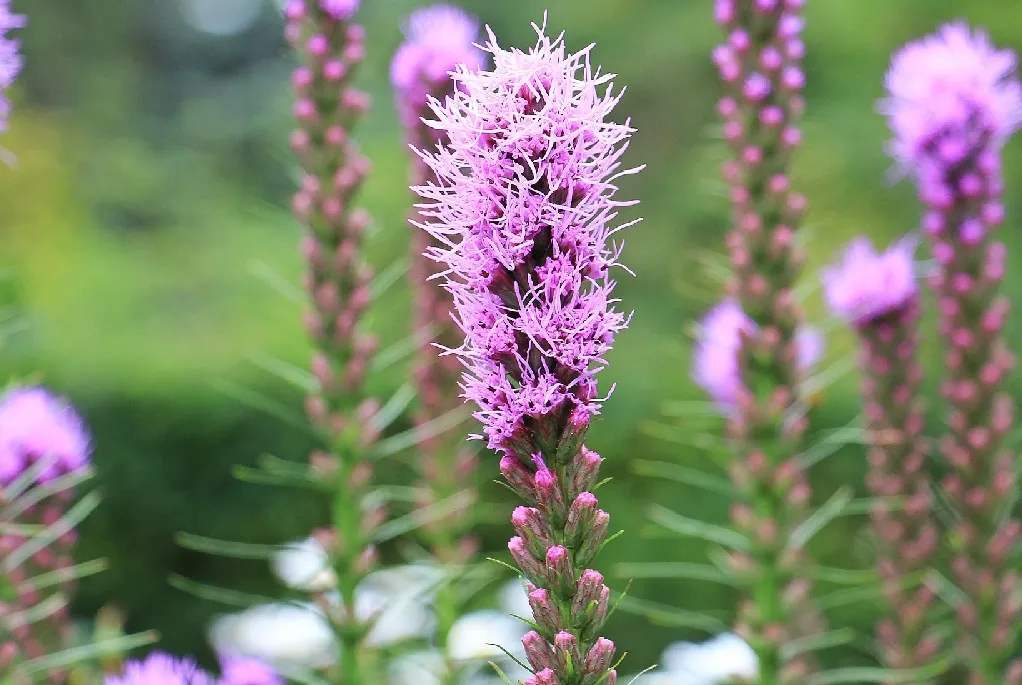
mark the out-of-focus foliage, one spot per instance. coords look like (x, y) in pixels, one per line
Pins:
(146, 224)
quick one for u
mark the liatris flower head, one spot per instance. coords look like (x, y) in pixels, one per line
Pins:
(715, 362)
(522, 209)
(951, 94)
(35, 427)
(866, 285)
(11, 60)
(236, 670)
(161, 669)
(437, 39)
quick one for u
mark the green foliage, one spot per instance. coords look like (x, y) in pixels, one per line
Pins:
(154, 271)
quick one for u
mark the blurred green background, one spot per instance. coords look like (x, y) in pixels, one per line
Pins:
(146, 220)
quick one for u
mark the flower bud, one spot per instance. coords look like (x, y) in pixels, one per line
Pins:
(549, 497)
(529, 524)
(585, 470)
(567, 655)
(519, 478)
(559, 573)
(544, 677)
(598, 660)
(544, 610)
(538, 651)
(531, 567)
(580, 518)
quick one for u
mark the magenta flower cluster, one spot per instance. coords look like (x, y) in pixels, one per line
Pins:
(438, 39)
(163, 669)
(523, 208)
(866, 285)
(11, 60)
(38, 428)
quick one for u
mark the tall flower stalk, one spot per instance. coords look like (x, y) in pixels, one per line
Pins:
(953, 101)
(331, 47)
(760, 66)
(438, 39)
(879, 296)
(523, 211)
(44, 452)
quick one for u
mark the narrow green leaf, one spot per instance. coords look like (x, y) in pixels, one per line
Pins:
(281, 285)
(682, 436)
(37, 612)
(400, 350)
(52, 578)
(881, 675)
(257, 400)
(89, 652)
(848, 596)
(829, 511)
(413, 436)
(232, 598)
(830, 375)
(296, 376)
(815, 643)
(394, 407)
(840, 576)
(674, 569)
(421, 517)
(686, 408)
(64, 525)
(248, 474)
(683, 474)
(831, 443)
(389, 276)
(689, 527)
(36, 494)
(672, 617)
(944, 588)
(299, 675)
(226, 548)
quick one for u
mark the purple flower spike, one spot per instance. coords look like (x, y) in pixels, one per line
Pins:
(953, 101)
(11, 60)
(866, 285)
(161, 669)
(340, 10)
(37, 427)
(954, 84)
(237, 670)
(437, 39)
(715, 360)
(521, 214)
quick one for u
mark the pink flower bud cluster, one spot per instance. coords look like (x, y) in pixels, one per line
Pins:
(438, 39)
(878, 294)
(953, 100)
(754, 352)
(331, 47)
(42, 439)
(522, 208)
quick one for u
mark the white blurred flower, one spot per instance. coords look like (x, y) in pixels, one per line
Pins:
(513, 599)
(719, 660)
(282, 634)
(473, 636)
(304, 565)
(398, 601)
(417, 668)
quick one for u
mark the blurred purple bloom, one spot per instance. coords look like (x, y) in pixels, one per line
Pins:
(341, 10)
(11, 60)
(866, 285)
(161, 669)
(715, 358)
(237, 670)
(437, 39)
(948, 88)
(522, 211)
(36, 426)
